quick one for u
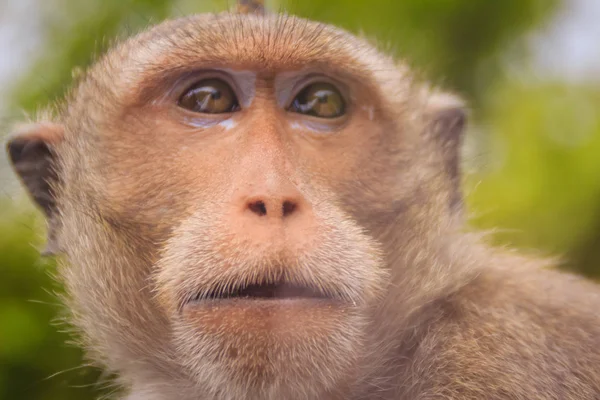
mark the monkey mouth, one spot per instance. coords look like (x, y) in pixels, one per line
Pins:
(264, 291)
(277, 308)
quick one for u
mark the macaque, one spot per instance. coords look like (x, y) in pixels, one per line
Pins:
(258, 206)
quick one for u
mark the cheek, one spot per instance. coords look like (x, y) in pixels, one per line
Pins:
(106, 277)
(359, 168)
(156, 179)
(348, 155)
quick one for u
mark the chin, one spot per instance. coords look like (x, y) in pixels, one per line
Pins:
(267, 341)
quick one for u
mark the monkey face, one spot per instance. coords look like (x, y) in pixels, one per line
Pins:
(262, 269)
(221, 202)
(219, 207)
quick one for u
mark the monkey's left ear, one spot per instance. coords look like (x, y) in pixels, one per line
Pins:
(32, 156)
(447, 120)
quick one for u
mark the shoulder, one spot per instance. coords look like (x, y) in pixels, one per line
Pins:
(526, 335)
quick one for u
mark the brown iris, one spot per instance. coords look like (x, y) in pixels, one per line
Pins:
(210, 96)
(321, 100)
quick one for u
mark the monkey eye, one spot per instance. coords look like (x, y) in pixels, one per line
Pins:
(319, 99)
(210, 96)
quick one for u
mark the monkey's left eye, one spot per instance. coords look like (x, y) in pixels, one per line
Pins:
(210, 96)
(320, 100)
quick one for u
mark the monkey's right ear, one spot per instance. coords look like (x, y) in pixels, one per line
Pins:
(31, 153)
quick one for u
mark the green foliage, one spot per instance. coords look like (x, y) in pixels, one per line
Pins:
(539, 181)
(542, 180)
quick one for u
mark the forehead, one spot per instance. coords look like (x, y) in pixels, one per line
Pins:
(271, 43)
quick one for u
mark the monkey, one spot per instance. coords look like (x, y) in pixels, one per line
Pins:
(252, 205)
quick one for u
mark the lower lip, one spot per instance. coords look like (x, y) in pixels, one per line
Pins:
(266, 319)
(241, 311)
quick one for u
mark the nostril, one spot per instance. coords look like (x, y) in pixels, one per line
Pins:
(258, 208)
(288, 208)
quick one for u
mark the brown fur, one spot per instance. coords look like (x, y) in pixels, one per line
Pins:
(150, 208)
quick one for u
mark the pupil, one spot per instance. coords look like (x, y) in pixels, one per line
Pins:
(215, 95)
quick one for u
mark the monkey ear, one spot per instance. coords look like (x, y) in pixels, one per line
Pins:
(31, 153)
(251, 6)
(447, 118)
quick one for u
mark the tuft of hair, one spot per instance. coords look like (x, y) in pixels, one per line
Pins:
(251, 6)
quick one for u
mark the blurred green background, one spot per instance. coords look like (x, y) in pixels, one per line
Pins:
(532, 155)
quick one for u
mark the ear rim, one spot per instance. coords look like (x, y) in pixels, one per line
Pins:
(447, 122)
(38, 176)
(17, 147)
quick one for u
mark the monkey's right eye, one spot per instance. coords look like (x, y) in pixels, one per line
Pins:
(210, 96)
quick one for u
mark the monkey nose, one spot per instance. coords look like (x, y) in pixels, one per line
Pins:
(270, 198)
(272, 206)
(272, 219)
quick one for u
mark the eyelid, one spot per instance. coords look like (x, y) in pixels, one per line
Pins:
(244, 91)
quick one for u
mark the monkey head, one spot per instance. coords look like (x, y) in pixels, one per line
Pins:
(228, 194)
